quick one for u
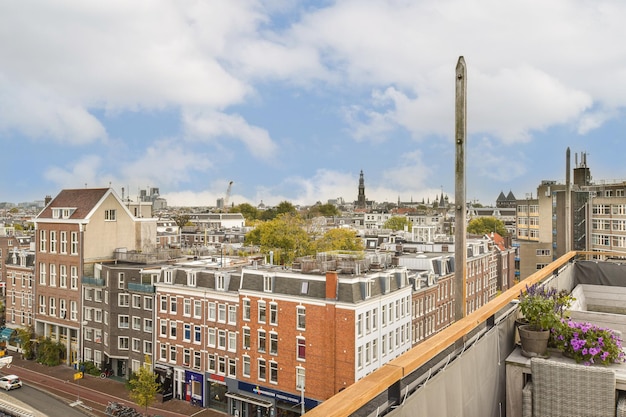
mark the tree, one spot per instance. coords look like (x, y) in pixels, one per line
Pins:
(486, 225)
(285, 236)
(144, 387)
(248, 211)
(285, 207)
(25, 336)
(397, 223)
(325, 210)
(339, 239)
(181, 219)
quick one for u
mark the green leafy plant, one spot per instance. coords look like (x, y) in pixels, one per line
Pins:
(543, 308)
(588, 343)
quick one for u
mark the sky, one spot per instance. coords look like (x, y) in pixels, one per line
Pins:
(291, 100)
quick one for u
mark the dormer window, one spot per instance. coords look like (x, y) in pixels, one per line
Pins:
(167, 276)
(56, 213)
(191, 278)
(368, 288)
(220, 282)
(267, 283)
(67, 213)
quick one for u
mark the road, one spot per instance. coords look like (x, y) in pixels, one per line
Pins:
(43, 402)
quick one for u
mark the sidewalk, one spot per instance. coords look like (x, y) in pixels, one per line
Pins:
(95, 392)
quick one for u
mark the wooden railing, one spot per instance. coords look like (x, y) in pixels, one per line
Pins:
(359, 394)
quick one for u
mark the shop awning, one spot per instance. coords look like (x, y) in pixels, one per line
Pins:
(249, 399)
(5, 334)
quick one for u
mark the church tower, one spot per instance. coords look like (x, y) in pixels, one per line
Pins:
(360, 203)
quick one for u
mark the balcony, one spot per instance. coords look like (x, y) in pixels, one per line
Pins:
(147, 288)
(97, 282)
(461, 370)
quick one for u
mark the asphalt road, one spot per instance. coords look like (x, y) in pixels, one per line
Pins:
(44, 403)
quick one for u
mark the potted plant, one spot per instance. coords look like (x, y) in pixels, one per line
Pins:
(542, 308)
(588, 343)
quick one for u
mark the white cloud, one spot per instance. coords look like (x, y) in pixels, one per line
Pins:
(84, 172)
(211, 126)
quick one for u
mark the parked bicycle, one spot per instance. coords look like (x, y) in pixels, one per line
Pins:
(106, 373)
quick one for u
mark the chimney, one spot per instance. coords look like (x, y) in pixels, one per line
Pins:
(331, 285)
(47, 200)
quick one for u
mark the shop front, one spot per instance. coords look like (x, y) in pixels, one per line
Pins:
(194, 388)
(248, 400)
(166, 380)
(216, 392)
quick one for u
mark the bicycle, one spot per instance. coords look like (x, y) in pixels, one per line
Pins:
(106, 373)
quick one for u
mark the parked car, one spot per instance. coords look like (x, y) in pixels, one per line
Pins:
(10, 382)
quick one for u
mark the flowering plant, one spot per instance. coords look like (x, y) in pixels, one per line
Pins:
(588, 343)
(543, 307)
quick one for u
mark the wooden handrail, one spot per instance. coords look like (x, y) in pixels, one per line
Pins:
(351, 399)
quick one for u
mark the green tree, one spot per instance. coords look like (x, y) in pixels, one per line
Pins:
(248, 211)
(285, 236)
(144, 387)
(339, 239)
(397, 223)
(325, 210)
(485, 225)
(181, 219)
(49, 352)
(25, 336)
(285, 207)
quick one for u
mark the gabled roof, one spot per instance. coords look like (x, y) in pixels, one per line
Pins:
(501, 197)
(83, 200)
(510, 196)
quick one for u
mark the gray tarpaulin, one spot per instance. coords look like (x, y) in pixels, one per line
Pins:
(600, 273)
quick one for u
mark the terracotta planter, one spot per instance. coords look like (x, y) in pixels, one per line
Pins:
(534, 342)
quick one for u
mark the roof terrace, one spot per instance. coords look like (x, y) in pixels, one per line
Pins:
(461, 370)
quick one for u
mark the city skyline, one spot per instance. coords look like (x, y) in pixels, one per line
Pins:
(291, 102)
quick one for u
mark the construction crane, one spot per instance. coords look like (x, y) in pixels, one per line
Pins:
(227, 197)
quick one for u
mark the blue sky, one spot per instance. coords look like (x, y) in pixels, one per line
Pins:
(291, 100)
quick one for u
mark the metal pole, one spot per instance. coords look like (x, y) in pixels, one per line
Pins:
(302, 408)
(460, 246)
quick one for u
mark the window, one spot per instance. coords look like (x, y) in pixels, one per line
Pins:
(300, 348)
(300, 318)
(267, 283)
(173, 329)
(186, 357)
(246, 310)
(120, 280)
(212, 364)
(212, 311)
(122, 321)
(147, 347)
(221, 339)
(232, 341)
(262, 312)
(43, 242)
(300, 377)
(52, 306)
(63, 248)
(197, 334)
(74, 243)
(173, 305)
(232, 367)
(136, 345)
(273, 372)
(62, 276)
(163, 327)
(246, 338)
(191, 278)
(274, 314)
(232, 314)
(163, 353)
(197, 308)
(163, 304)
(43, 276)
(187, 307)
(136, 323)
(262, 369)
(110, 215)
(167, 277)
(53, 275)
(221, 313)
(73, 311)
(212, 339)
(197, 360)
(220, 282)
(246, 366)
(262, 341)
(187, 332)
(221, 365)
(53, 241)
(172, 353)
(122, 343)
(123, 300)
(273, 343)
(359, 324)
(136, 301)
(147, 325)
(74, 277)
(42, 304)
